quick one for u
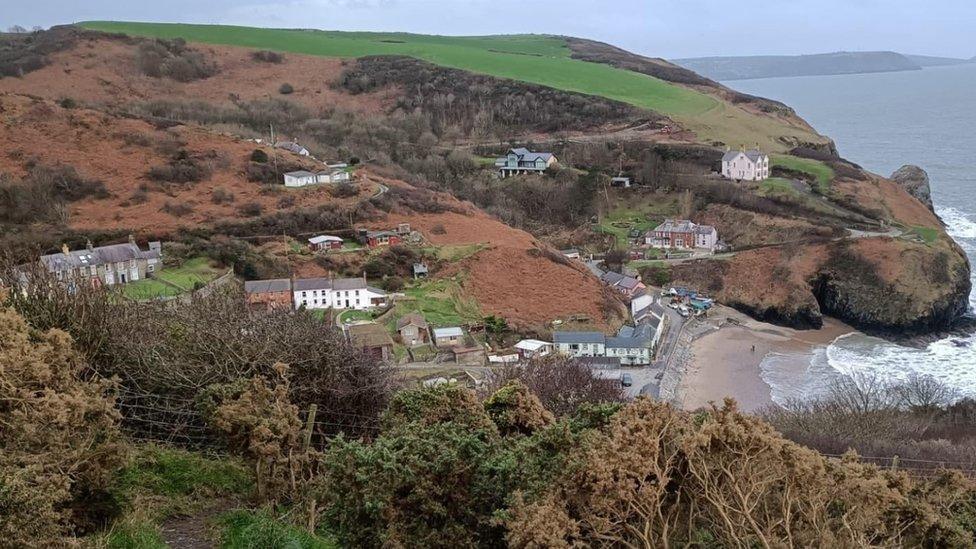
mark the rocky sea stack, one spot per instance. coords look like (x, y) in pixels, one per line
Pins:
(916, 181)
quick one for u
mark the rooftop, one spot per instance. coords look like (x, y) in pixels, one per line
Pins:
(324, 238)
(267, 286)
(412, 319)
(532, 344)
(578, 337)
(306, 284)
(453, 331)
(102, 255)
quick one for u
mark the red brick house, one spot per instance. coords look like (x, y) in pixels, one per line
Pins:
(268, 295)
(682, 234)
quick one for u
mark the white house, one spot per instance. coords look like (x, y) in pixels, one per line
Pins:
(580, 344)
(337, 293)
(632, 345)
(303, 178)
(532, 348)
(523, 161)
(751, 165)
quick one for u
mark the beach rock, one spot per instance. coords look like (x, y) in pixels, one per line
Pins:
(914, 180)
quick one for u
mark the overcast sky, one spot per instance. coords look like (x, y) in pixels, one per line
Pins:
(665, 28)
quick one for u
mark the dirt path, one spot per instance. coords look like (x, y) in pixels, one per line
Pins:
(194, 531)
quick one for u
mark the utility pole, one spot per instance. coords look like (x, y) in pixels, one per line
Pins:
(274, 150)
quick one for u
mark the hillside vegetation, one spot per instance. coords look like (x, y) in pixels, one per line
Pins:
(539, 59)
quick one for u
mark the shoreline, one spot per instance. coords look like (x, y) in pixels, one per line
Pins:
(724, 360)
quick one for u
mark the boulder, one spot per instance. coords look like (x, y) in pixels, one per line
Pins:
(914, 180)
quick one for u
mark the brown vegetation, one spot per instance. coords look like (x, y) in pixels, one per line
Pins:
(59, 438)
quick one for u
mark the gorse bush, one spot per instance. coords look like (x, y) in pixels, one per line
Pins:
(59, 438)
(173, 59)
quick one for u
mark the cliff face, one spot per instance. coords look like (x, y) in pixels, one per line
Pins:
(916, 182)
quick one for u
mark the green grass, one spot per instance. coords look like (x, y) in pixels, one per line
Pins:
(821, 173)
(191, 273)
(644, 214)
(263, 530)
(354, 315)
(171, 282)
(927, 234)
(133, 534)
(172, 473)
(441, 302)
(149, 288)
(777, 185)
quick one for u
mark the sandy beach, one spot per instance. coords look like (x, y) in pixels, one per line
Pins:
(726, 361)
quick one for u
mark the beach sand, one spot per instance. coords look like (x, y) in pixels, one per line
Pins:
(724, 364)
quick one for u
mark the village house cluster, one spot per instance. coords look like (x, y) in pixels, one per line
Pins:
(105, 265)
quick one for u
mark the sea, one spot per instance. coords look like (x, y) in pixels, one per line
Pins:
(883, 121)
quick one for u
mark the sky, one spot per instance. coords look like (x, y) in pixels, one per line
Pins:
(661, 28)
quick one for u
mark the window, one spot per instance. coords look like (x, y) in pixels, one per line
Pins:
(149, 268)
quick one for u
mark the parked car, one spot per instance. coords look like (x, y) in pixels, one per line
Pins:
(626, 380)
(683, 311)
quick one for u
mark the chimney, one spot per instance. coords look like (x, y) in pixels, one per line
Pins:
(65, 250)
(132, 239)
(88, 244)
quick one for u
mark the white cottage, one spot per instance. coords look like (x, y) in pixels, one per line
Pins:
(752, 165)
(336, 293)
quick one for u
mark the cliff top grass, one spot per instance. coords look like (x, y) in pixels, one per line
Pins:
(537, 59)
(822, 173)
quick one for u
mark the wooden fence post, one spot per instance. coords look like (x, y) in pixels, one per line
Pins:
(309, 426)
(894, 462)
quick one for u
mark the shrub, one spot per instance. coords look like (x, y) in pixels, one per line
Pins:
(287, 201)
(259, 156)
(183, 168)
(59, 443)
(139, 196)
(286, 89)
(177, 209)
(221, 195)
(266, 56)
(250, 209)
(393, 284)
(344, 189)
(67, 103)
(173, 59)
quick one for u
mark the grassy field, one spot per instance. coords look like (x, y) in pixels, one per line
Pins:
(634, 212)
(777, 186)
(927, 234)
(441, 302)
(822, 173)
(174, 281)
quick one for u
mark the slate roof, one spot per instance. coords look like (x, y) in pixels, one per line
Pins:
(611, 278)
(300, 173)
(752, 154)
(291, 146)
(578, 337)
(682, 226)
(324, 238)
(267, 286)
(452, 331)
(419, 268)
(525, 155)
(305, 284)
(101, 255)
(412, 319)
(632, 337)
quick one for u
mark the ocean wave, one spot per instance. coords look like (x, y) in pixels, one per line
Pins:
(951, 361)
(958, 224)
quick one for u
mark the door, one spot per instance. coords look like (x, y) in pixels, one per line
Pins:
(134, 274)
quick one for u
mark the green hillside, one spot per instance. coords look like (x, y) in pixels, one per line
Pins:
(538, 59)
(541, 60)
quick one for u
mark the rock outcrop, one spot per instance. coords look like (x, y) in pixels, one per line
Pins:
(914, 180)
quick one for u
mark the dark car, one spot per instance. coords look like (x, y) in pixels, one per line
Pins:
(626, 380)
